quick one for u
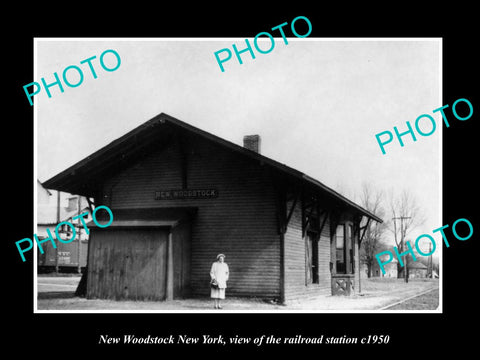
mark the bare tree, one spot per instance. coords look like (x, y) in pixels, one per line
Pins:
(406, 215)
(371, 199)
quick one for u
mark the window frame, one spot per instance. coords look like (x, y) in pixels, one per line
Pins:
(348, 251)
(343, 269)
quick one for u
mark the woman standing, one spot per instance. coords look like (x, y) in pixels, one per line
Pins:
(219, 276)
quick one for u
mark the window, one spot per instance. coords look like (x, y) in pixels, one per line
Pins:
(340, 250)
(345, 249)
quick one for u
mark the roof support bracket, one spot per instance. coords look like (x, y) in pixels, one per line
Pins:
(90, 205)
(292, 208)
(323, 222)
(364, 230)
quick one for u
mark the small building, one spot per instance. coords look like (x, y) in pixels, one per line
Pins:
(180, 196)
(54, 207)
(390, 269)
(417, 270)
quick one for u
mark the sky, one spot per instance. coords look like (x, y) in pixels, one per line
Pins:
(316, 103)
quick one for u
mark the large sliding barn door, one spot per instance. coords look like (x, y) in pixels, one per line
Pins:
(128, 264)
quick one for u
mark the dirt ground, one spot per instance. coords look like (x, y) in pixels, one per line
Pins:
(57, 294)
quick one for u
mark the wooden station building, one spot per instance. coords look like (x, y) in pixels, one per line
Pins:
(180, 196)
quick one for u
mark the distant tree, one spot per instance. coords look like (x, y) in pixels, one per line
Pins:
(371, 199)
(406, 216)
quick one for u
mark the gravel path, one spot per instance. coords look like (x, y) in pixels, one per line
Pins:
(57, 293)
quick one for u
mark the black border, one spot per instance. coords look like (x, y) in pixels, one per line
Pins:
(415, 334)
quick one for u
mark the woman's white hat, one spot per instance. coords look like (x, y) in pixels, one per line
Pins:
(218, 256)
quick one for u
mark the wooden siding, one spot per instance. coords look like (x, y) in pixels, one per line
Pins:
(324, 260)
(181, 235)
(294, 255)
(240, 222)
(295, 259)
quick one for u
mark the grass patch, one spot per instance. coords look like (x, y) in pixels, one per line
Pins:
(428, 301)
(394, 284)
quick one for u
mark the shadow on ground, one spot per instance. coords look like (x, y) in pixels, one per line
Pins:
(50, 295)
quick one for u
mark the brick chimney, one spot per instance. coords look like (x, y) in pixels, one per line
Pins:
(252, 142)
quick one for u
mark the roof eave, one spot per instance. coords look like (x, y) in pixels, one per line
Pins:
(63, 180)
(341, 197)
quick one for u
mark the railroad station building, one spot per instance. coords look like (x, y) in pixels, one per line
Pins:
(180, 195)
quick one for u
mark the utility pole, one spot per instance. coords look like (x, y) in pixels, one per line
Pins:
(58, 221)
(430, 262)
(79, 266)
(402, 240)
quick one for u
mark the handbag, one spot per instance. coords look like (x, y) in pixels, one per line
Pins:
(214, 284)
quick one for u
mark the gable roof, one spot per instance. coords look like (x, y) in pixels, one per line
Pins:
(417, 265)
(40, 186)
(83, 177)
